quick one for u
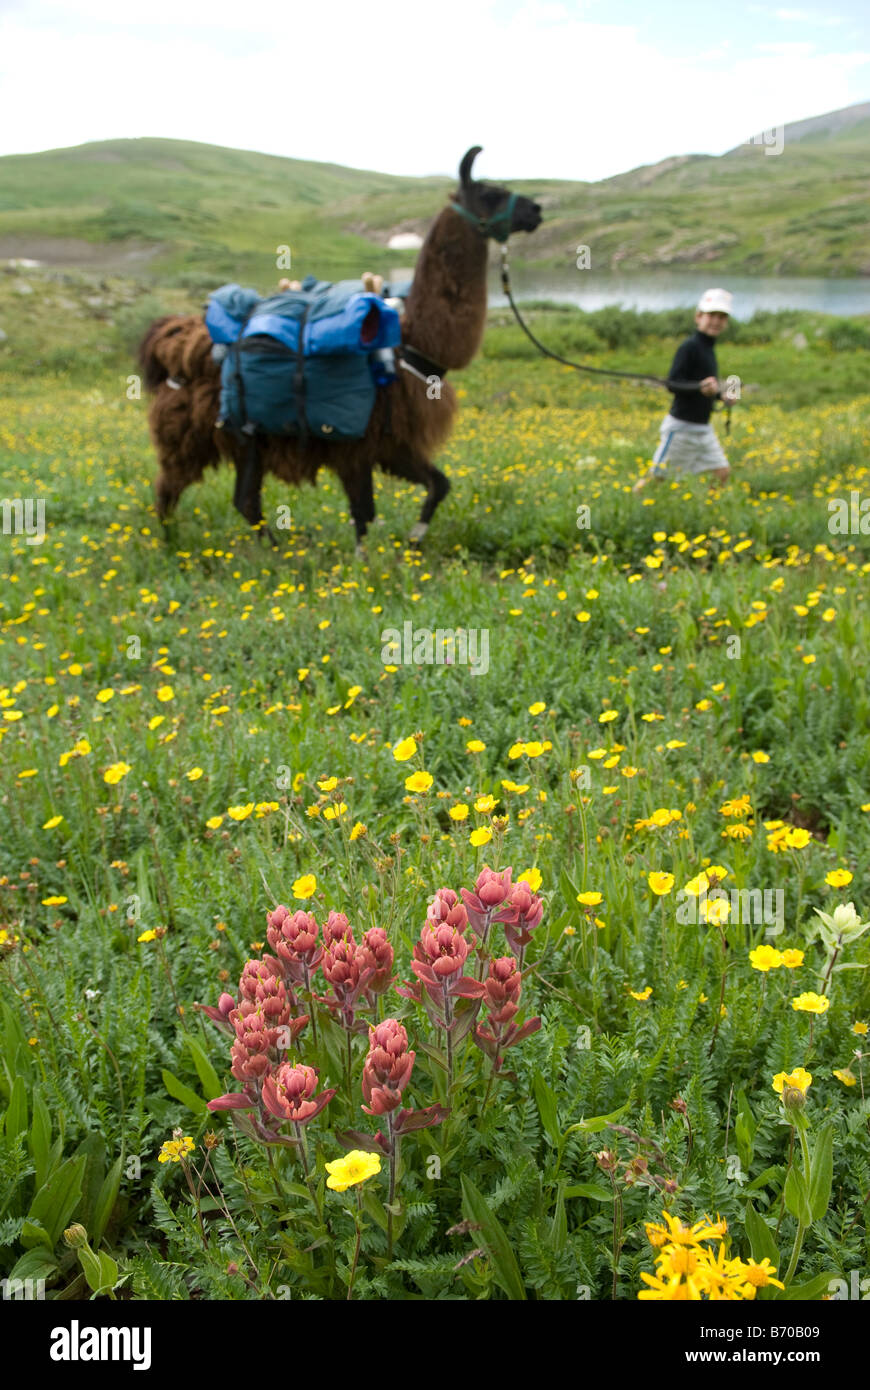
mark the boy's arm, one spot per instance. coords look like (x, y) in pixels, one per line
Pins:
(681, 367)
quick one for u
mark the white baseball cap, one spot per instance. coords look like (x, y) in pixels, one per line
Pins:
(715, 301)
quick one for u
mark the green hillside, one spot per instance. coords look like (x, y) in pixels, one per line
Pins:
(176, 212)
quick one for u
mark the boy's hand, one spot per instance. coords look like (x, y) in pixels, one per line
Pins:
(709, 386)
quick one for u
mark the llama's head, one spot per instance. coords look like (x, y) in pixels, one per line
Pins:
(493, 208)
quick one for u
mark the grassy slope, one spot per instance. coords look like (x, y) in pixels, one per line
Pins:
(219, 212)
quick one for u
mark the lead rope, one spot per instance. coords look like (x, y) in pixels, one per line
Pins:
(579, 366)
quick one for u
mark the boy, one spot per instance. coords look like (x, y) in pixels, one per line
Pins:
(688, 443)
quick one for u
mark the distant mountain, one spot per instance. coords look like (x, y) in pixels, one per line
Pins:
(830, 124)
(178, 212)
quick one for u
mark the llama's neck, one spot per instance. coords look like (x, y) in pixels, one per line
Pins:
(445, 313)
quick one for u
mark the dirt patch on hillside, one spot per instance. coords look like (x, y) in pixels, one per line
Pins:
(73, 251)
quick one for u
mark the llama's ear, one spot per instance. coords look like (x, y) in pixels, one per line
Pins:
(467, 161)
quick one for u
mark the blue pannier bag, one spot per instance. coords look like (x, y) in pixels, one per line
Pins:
(301, 362)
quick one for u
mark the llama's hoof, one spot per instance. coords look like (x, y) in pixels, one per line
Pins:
(418, 531)
(268, 537)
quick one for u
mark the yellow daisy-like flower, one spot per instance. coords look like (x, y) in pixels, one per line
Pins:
(715, 910)
(305, 887)
(114, 773)
(240, 812)
(532, 877)
(194, 774)
(459, 812)
(537, 708)
(797, 839)
(798, 1080)
(845, 1076)
(792, 958)
(765, 958)
(484, 804)
(404, 750)
(811, 1003)
(54, 901)
(328, 784)
(660, 883)
(480, 837)
(740, 831)
(608, 716)
(760, 1275)
(860, 1028)
(475, 745)
(641, 994)
(760, 757)
(697, 885)
(358, 831)
(302, 672)
(104, 696)
(418, 782)
(147, 936)
(838, 878)
(165, 693)
(155, 721)
(355, 1167)
(535, 749)
(333, 812)
(175, 1149)
(590, 899)
(52, 822)
(214, 822)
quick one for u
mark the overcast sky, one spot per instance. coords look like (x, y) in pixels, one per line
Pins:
(574, 89)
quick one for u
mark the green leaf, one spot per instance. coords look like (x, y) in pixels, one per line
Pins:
(811, 1292)
(596, 1122)
(35, 1264)
(109, 1270)
(105, 1202)
(58, 1197)
(16, 1112)
(39, 1139)
(821, 1172)
(797, 1198)
(569, 891)
(547, 1108)
(494, 1239)
(744, 1110)
(764, 1178)
(92, 1268)
(33, 1234)
(211, 1085)
(761, 1241)
(592, 1190)
(558, 1235)
(375, 1208)
(179, 1091)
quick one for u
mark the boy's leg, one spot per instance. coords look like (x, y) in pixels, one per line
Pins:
(657, 467)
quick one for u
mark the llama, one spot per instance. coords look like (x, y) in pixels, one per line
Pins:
(442, 330)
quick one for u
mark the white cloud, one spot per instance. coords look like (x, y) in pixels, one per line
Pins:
(546, 90)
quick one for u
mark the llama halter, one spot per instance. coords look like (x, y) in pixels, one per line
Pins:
(498, 226)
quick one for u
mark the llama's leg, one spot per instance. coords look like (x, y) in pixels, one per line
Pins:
(361, 497)
(167, 490)
(247, 495)
(437, 488)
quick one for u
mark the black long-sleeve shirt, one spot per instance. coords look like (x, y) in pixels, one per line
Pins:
(694, 360)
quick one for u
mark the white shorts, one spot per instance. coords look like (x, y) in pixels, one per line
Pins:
(687, 448)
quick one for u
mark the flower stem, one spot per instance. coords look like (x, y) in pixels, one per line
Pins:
(303, 1158)
(394, 1159)
(358, 1221)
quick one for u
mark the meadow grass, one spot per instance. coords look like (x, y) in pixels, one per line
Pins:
(170, 705)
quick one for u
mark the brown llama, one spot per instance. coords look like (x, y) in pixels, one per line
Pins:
(442, 329)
